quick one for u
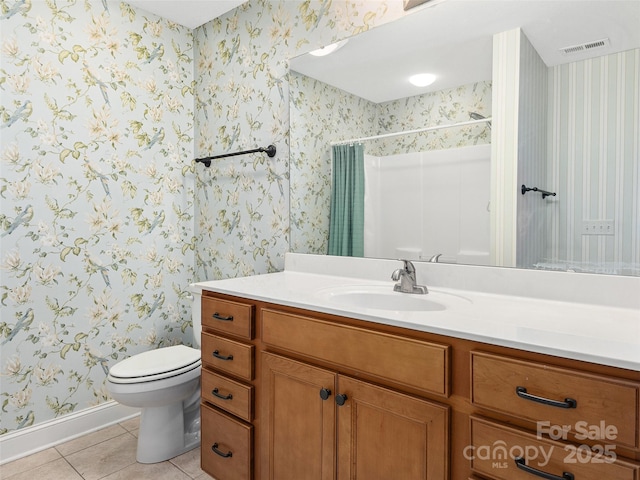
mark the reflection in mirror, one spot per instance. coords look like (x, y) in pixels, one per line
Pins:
(582, 118)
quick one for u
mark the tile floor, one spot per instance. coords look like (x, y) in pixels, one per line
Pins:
(108, 454)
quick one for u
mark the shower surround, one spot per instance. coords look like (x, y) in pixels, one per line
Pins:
(426, 203)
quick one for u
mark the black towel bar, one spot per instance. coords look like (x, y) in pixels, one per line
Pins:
(270, 150)
(524, 189)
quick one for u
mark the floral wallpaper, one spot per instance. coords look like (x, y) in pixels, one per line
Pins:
(451, 105)
(321, 114)
(97, 192)
(242, 102)
(105, 218)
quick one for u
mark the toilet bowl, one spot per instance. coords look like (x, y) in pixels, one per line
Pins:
(165, 384)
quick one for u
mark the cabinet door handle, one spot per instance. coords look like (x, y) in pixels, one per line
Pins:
(216, 354)
(341, 399)
(325, 393)
(217, 316)
(222, 397)
(522, 465)
(214, 447)
(568, 402)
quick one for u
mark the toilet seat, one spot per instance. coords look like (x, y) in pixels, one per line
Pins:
(156, 365)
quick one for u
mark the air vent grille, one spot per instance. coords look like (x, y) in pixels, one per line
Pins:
(583, 47)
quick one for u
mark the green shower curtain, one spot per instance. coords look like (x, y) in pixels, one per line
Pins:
(346, 228)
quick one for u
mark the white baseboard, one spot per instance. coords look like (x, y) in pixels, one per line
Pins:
(20, 443)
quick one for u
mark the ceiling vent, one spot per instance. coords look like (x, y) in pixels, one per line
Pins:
(584, 47)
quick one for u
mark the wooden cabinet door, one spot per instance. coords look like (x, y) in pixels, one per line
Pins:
(299, 438)
(383, 434)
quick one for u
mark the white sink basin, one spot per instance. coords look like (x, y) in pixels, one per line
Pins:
(382, 297)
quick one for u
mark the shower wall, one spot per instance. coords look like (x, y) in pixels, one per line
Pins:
(426, 203)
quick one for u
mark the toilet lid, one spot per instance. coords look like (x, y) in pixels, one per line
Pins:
(157, 362)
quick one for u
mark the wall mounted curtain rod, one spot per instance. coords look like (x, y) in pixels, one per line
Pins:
(270, 150)
(407, 132)
(524, 189)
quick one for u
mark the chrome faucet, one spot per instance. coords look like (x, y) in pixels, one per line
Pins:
(406, 278)
(434, 258)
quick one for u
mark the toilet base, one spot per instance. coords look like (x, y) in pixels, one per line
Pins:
(168, 431)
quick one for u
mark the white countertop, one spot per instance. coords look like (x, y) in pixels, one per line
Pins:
(601, 334)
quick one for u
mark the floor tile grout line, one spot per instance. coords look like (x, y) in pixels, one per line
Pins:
(121, 467)
(72, 467)
(181, 469)
(126, 432)
(33, 468)
(113, 473)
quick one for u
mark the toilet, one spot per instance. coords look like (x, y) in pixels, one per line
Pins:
(165, 384)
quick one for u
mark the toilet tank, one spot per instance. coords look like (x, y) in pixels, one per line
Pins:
(196, 313)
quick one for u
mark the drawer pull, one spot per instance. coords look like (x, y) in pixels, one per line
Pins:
(217, 316)
(341, 399)
(214, 447)
(325, 393)
(222, 397)
(568, 402)
(216, 354)
(522, 465)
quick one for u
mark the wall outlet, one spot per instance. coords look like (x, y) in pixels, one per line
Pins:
(598, 227)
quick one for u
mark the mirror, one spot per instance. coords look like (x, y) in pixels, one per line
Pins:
(590, 57)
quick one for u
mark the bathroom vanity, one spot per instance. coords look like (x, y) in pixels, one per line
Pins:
(301, 380)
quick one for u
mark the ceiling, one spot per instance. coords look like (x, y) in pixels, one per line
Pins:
(190, 13)
(453, 39)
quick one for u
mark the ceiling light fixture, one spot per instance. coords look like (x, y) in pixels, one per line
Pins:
(422, 79)
(321, 52)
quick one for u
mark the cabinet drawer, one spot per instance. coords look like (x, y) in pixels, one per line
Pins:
(495, 447)
(226, 447)
(227, 316)
(227, 355)
(233, 397)
(401, 360)
(605, 411)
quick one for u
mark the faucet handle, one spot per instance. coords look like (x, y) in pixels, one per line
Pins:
(434, 258)
(408, 265)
